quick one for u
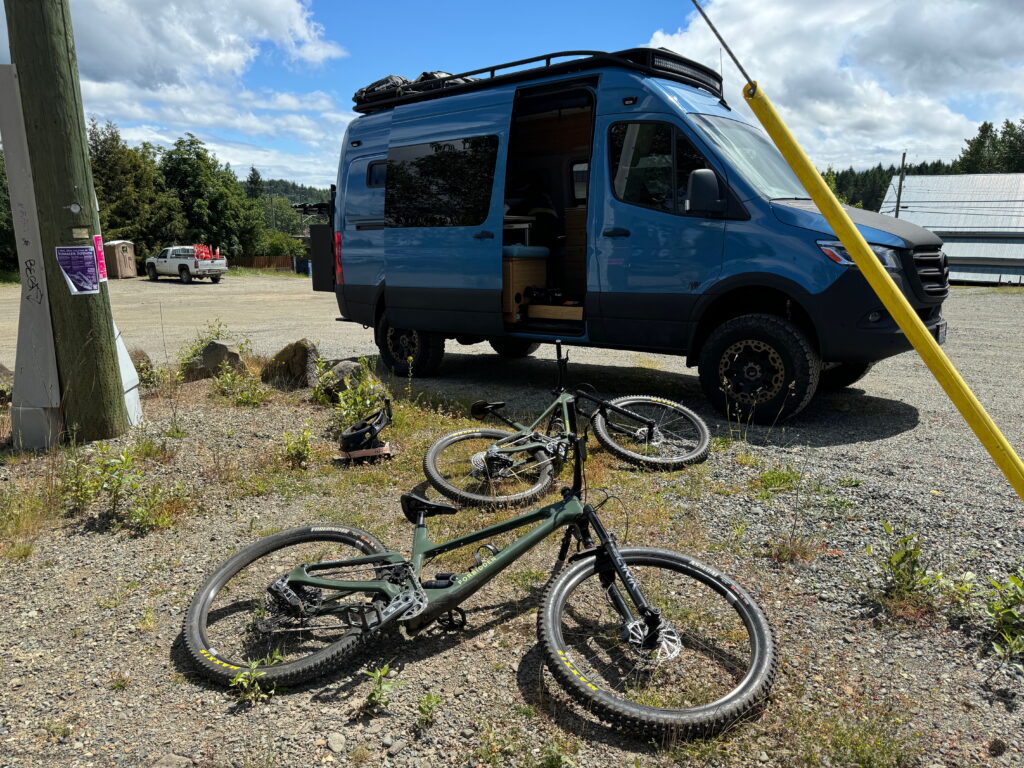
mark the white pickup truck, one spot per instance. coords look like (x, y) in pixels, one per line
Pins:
(187, 262)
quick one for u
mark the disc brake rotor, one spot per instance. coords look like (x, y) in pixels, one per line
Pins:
(668, 644)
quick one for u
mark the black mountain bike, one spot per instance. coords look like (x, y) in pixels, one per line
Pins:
(651, 641)
(491, 467)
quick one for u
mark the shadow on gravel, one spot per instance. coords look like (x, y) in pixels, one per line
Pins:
(835, 418)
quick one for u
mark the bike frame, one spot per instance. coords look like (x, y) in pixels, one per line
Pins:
(571, 513)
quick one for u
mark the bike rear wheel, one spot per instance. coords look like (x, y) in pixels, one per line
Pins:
(233, 620)
(458, 466)
(713, 662)
(680, 436)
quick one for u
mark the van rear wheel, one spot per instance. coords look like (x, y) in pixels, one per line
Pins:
(759, 368)
(408, 352)
(514, 348)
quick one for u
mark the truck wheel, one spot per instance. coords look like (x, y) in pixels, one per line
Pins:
(839, 375)
(402, 349)
(759, 368)
(185, 275)
(151, 272)
(214, 279)
(514, 348)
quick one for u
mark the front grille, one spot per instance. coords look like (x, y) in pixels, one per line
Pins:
(932, 270)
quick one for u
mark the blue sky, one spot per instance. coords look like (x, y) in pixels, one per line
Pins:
(269, 82)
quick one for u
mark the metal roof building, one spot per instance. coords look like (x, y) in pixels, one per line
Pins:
(980, 218)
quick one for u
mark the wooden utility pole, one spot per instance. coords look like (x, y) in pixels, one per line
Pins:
(899, 189)
(43, 50)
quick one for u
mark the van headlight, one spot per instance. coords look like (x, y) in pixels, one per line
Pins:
(838, 253)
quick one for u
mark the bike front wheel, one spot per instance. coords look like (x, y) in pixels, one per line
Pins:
(711, 663)
(463, 468)
(234, 621)
(679, 436)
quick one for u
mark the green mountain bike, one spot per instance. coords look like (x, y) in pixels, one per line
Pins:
(651, 641)
(492, 467)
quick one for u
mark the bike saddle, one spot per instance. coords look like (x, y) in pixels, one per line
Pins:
(481, 408)
(413, 505)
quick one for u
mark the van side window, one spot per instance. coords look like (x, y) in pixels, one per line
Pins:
(651, 165)
(376, 173)
(440, 184)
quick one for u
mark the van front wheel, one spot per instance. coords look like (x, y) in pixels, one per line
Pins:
(759, 368)
(408, 352)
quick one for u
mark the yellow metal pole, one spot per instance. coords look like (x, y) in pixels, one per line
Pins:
(892, 297)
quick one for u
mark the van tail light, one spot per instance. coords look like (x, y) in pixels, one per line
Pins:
(339, 275)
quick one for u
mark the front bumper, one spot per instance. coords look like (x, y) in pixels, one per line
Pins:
(854, 327)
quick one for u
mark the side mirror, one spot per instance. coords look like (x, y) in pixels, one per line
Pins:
(479, 410)
(702, 193)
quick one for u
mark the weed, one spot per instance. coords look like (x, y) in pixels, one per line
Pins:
(147, 448)
(148, 621)
(427, 707)
(361, 755)
(155, 508)
(721, 443)
(239, 388)
(56, 729)
(525, 710)
(909, 588)
(175, 430)
(1004, 606)
(868, 742)
(747, 459)
(848, 482)
(363, 394)
(246, 682)
(21, 516)
(378, 698)
(776, 480)
(556, 754)
(298, 448)
(793, 548)
(149, 375)
(119, 681)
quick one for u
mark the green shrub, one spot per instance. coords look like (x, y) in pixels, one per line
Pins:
(364, 394)
(1005, 609)
(298, 448)
(240, 388)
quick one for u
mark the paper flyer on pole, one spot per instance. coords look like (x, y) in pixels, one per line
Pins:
(80, 269)
(101, 261)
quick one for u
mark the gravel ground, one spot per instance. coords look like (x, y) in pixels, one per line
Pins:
(89, 608)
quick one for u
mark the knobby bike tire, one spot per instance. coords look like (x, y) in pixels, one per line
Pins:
(214, 663)
(571, 665)
(450, 443)
(696, 431)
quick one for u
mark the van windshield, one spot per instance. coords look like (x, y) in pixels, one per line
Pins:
(753, 155)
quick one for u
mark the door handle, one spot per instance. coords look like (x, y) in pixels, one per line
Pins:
(616, 232)
(484, 234)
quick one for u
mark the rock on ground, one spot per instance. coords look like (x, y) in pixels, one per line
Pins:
(208, 362)
(292, 367)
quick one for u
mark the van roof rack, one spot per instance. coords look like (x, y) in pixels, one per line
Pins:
(659, 62)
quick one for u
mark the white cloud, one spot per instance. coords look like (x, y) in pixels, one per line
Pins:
(161, 68)
(859, 82)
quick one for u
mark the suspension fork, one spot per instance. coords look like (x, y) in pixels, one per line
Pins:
(611, 563)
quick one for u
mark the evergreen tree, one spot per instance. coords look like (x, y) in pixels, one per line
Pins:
(254, 184)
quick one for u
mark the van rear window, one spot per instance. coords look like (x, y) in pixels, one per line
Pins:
(441, 183)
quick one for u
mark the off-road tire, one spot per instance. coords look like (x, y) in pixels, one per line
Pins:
(207, 660)
(397, 345)
(514, 348)
(759, 351)
(151, 272)
(697, 453)
(545, 476)
(185, 275)
(648, 721)
(842, 375)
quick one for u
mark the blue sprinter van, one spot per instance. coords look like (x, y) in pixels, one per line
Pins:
(611, 200)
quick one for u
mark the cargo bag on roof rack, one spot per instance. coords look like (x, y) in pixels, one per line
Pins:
(379, 88)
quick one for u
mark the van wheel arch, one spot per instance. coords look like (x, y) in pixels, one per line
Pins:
(746, 300)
